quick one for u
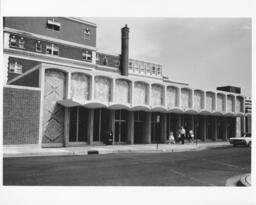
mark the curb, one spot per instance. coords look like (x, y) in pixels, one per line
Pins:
(240, 180)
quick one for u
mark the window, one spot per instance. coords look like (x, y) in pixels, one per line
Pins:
(53, 25)
(105, 61)
(15, 68)
(130, 66)
(117, 63)
(87, 33)
(52, 50)
(153, 70)
(97, 58)
(13, 41)
(21, 43)
(158, 71)
(87, 56)
(38, 46)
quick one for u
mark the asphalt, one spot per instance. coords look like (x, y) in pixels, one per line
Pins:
(206, 167)
(34, 150)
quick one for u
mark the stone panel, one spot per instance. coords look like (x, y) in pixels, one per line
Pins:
(210, 101)
(172, 97)
(186, 98)
(220, 103)
(102, 89)
(140, 93)
(230, 103)
(80, 84)
(54, 90)
(156, 95)
(198, 100)
(122, 92)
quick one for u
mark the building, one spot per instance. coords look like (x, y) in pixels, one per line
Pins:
(248, 115)
(60, 91)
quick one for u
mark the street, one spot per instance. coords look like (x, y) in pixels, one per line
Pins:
(211, 167)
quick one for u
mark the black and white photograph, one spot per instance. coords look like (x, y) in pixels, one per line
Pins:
(157, 105)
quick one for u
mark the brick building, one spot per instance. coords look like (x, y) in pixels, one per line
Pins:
(60, 91)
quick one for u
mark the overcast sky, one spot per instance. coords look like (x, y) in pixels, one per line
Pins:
(204, 52)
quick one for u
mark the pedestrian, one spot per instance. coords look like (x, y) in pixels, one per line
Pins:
(191, 136)
(178, 135)
(183, 134)
(171, 138)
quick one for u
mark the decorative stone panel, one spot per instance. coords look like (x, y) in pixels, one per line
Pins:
(220, 102)
(198, 100)
(186, 98)
(156, 95)
(102, 89)
(209, 101)
(239, 104)
(80, 84)
(54, 90)
(172, 97)
(230, 103)
(140, 93)
(123, 91)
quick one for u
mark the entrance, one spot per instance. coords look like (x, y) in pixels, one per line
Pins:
(100, 125)
(78, 119)
(139, 126)
(121, 126)
(155, 127)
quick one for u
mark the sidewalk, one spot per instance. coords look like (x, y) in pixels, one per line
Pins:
(32, 150)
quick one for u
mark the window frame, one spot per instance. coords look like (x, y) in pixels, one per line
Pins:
(87, 34)
(17, 68)
(41, 47)
(53, 48)
(52, 24)
(13, 37)
(86, 54)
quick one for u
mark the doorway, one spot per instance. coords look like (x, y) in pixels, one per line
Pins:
(155, 127)
(121, 126)
(139, 126)
(100, 125)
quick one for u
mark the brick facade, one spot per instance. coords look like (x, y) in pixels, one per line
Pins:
(21, 111)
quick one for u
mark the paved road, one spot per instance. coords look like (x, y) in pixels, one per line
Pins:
(198, 168)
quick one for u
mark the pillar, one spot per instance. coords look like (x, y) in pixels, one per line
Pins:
(238, 126)
(163, 136)
(130, 130)
(225, 130)
(191, 122)
(90, 126)
(214, 128)
(147, 137)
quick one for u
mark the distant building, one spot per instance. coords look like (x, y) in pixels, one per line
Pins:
(231, 89)
(60, 91)
(248, 115)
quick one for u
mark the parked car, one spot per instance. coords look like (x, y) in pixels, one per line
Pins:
(244, 140)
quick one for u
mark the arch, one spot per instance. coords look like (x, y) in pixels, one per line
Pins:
(103, 88)
(80, 87)
(172, 96)
(239, 104)
(157, 94)
(140, 108)
(141, 93)
(210, 101)
(186, 98)
(230, 103)
(117, 106)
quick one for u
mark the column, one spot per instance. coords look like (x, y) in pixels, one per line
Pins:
(214, 128)
(238, 126)
(147, 137)
(68, 91)
(130, 126)
(203, 127)
(90, 126)
(163, 136)
(66, 125)
(191, 122)
(225, 131)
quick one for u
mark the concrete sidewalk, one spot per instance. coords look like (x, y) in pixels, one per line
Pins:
(32, 150)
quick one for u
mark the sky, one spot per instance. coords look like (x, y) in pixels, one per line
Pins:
(204, 52)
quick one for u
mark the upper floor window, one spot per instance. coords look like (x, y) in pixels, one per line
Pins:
(53, 25)
(13, 41)
(153, 70)
(87, 56)
(52, 50)
(38, 46)
(130, 65)
(117, 63)
(87, 33)
(158, 71)
(15, 68)
(21, 43)
(105, 60)
(97, 58)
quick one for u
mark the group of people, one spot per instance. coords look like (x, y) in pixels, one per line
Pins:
(181, 136)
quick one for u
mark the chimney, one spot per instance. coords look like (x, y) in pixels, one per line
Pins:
(124, 51)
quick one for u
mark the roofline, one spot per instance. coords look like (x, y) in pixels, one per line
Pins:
(77, 19)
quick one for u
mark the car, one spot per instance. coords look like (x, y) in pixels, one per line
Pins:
(244, 140)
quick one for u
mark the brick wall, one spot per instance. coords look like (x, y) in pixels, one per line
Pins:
(31, 80)
(21, 108)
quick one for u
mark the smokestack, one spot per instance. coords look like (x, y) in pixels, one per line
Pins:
(125, 51)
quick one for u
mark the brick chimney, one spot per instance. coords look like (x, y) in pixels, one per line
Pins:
(124, 51)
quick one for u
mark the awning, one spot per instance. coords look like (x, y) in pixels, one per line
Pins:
(68, 103)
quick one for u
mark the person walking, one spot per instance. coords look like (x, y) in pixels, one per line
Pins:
(171, 138)
(183, 134)
(191, 136)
